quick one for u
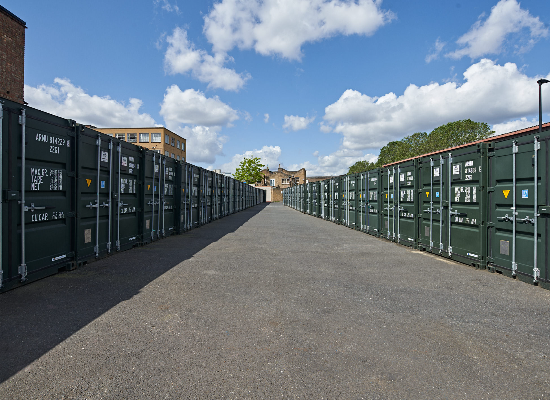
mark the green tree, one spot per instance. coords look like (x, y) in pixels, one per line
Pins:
(443, 137)
(249, 170)
(457, 133)
(361, 166)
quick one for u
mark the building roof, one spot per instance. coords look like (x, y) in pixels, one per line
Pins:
(13, 16)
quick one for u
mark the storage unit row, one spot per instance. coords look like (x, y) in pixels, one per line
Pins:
(71, 194)
(485, 204)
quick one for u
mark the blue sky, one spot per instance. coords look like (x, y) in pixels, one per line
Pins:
(303, 83)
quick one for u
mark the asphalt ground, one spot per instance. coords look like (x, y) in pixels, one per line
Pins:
(271, 303)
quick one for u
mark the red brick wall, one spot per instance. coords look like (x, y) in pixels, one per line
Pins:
(12, 58)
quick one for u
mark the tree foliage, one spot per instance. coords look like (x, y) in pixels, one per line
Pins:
(249, 170)
(361, 166)
(449, 135)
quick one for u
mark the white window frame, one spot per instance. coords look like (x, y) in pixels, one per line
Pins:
(156, 137)
(132, 137)
(120, 136)
(142, 136)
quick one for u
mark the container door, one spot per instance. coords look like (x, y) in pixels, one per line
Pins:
(168, 196)
(467, 234)
(406, 204)
(151, 196)
(432, 232)
(519, 211)
(195, 196)
(37, 179)
(389, 203)
(208, 195)
(127, 206)
(374, 202)
(95, 236)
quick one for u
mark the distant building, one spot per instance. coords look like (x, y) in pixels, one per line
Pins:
(12, 56)
(319, 178)
(283, 178)
(158, 139)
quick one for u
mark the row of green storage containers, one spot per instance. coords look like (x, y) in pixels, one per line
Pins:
(71, 195)
(485, 204)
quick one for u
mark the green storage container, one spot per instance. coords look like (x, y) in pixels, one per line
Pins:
(519, 211)
(349, 201)
(37, 179)
(389, 198)
(453, 203)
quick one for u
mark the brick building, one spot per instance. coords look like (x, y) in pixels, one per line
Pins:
(283, 178)
(12, 56)
(319, 178)
(159, 139)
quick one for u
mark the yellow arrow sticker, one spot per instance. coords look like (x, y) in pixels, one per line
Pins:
(88, 181)
(427, 194)
(148, 187)
(386, 195)
(506, 193)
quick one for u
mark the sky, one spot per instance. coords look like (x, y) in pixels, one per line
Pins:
(318, 84)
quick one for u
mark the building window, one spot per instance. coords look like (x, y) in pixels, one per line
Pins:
(173, 142)
(183, 158)
(183, 146)
(166, 139)
(173, 155)
(285, 181)
(177, 144)
(155, 137)
(272, 181)
(120, 136)
(178, 158)
(132, 137)
(144, 138)
(167, 153)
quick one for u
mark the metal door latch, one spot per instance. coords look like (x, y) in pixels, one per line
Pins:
(507, 218)
(32, 208)
(527, 220)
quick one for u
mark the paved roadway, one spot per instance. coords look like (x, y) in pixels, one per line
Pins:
(272, 303)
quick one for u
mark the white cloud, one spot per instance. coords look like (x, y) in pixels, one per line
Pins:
(282, 27)
(192, 107)
(487, 37)
(166, 6)
(514, 125)
(438, 46)
(181, 57)
(324, 127)
(199, 119)
(296, 123)
(266, 118)
(69, 101)
(337, 163)
(269, 156)
(491, 93)
(247, 116)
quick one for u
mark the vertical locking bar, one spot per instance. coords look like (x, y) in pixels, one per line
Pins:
(23, 267)
(450, 183)
(388, 208)
(536, 271)
(119, 199)
(96, 249)
(431, 201)
(163, 193)
(110, 193)
(160, 190)
(514, 212)
(441, 164)
(1, 199)
(393, 203)
(153, 197)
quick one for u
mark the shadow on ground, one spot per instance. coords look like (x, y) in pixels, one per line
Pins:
(37, 317)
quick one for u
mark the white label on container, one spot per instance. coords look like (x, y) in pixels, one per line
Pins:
(104, 156)
(124, 161)
(456, 169)
(436, 171)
